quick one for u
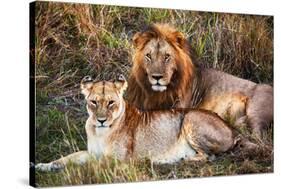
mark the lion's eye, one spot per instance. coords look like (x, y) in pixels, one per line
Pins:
(167, 57)
(94, 102)
(148, 56)
(110, 103)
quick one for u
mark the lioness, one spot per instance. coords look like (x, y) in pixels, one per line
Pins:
(165, 76)
(116, 128)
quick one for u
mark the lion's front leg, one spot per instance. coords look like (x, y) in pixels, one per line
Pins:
(78, 158)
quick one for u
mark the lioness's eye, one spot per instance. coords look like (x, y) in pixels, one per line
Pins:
(110, 103)
(167, 57)
(148, 56)
(94, 102)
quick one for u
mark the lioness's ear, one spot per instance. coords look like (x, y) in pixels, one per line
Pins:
(86, 85)
(179, 39)
(136, 39)
(121, 84)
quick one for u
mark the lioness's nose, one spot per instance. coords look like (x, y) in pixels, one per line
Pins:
(157, 76)
(101, 120)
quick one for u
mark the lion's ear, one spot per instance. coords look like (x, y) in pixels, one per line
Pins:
(121, 84)
(136, 39)
(86, 85)
(179, 39)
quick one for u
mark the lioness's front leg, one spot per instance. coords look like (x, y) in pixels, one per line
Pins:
(78, 158)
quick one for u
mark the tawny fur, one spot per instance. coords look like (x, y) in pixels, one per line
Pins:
(189, 86)
(231, 106)
(164, 136)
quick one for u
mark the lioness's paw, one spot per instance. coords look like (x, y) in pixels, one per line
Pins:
(55, 166)
(45, 167)
(163, 161)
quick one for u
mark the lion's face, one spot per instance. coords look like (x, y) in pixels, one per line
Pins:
(104, 100)
(161, 58)
(159, 63)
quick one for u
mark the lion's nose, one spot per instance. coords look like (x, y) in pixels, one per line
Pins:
(101, 120)
(157, 77)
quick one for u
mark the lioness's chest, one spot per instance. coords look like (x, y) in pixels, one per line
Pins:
(96, 146)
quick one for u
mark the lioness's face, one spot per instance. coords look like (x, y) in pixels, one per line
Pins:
(104, 101)
(159, 63)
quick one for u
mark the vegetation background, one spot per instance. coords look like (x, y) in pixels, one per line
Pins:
(74, 40)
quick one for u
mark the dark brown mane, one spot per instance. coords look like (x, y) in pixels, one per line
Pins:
(139, 91)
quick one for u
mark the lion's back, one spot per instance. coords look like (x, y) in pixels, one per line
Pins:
(217, 82)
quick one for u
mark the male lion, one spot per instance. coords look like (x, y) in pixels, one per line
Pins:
(116, 128)
(164, 76)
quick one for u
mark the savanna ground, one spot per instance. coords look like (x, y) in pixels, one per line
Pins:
(74, 40)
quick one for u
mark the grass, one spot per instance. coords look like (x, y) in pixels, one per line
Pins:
(74, 40)
(114, 171)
